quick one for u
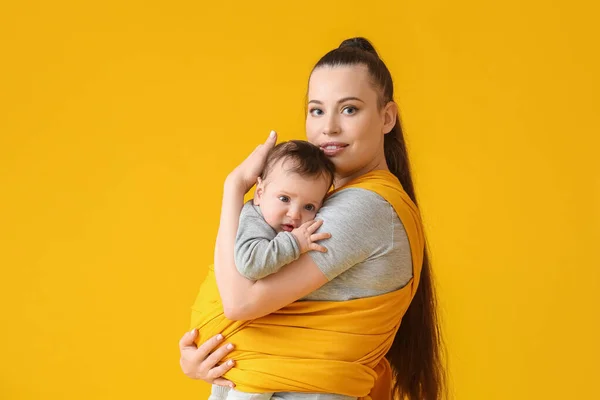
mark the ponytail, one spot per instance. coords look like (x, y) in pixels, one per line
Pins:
(416, 353)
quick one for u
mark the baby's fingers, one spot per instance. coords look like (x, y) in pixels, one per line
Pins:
(315, 237)
(316, 224)
(317, 247)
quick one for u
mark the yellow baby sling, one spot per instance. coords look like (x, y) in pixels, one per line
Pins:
(320, 346)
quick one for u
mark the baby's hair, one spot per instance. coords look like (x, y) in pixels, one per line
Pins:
(306, 159)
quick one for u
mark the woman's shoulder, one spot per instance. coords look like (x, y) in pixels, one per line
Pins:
(364, 228)
(356, 197)
(357, 208)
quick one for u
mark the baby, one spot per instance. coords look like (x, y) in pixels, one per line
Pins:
(274, 226)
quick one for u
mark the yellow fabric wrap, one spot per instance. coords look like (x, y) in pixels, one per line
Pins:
(320, 346)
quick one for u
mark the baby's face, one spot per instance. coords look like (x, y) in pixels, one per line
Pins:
(287, 199)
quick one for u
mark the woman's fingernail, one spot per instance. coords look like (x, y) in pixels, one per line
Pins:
(272, 134)
(219, 337)
(230, 362)
(229, 346)
(193, 331)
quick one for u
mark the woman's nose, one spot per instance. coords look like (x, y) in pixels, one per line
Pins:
(332, 126)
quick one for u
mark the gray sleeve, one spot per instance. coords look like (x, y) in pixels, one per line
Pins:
(361, 226)
(259, 251)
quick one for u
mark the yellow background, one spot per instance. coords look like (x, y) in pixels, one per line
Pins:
(119, 121)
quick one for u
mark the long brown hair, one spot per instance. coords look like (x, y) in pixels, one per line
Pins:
(416, 354)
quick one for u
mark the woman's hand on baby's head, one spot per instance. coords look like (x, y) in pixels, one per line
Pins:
(246, 174)
(201, 362)
(306, 237)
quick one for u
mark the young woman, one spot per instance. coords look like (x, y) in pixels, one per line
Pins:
(372, 251)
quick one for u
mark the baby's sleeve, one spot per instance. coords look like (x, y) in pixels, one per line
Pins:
(260, 251)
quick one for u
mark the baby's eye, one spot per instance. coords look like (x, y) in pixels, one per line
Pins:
(309, 207)
(350, 110)
(285, 199)
(315, 112)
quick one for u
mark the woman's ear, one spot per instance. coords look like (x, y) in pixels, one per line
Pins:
(258, 191)
(390, 117)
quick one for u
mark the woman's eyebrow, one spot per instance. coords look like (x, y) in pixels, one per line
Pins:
(348, 99)
(339, 101)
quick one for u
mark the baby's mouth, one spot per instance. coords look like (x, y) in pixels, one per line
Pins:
(287, 227)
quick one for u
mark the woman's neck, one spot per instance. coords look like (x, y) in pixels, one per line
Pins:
(342, 179)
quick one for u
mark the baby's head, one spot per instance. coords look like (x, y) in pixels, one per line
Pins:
(293, 184)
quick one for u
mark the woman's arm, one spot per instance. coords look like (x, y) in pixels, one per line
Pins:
(244, 299)
(361, 227)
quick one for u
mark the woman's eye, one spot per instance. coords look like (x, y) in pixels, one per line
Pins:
(349, 110)
(315, 112)
(285, 199)
(309, 207)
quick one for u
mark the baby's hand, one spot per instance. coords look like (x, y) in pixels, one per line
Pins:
(306, 237)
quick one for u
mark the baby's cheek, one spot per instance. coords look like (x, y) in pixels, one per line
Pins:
(311, 216)
(269, 218)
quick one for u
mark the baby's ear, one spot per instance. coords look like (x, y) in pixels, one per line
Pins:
(258, 191)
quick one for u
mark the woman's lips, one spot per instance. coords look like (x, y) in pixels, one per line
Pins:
(333, 148)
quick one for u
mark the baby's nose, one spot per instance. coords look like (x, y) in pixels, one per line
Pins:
(294, 213)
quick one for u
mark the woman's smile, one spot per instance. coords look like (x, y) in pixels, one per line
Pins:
(333, 148)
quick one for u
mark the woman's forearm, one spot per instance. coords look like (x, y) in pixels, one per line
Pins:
(242, 298)
(233, 287)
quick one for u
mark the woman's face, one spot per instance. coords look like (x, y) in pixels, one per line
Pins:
(345, 121)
